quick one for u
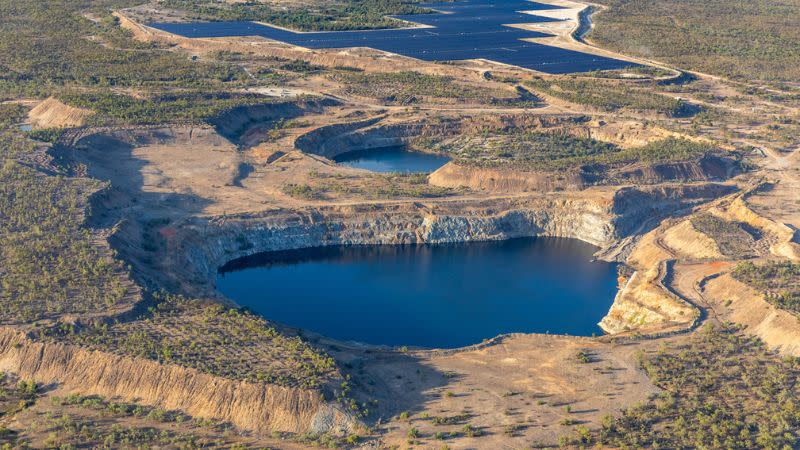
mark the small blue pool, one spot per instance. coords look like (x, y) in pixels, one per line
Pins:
(392, 159)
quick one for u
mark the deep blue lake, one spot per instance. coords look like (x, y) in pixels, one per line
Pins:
(392, 159)
(465, 29)
(444, 296)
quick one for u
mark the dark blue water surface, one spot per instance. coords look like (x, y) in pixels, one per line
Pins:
(470, 29)
(392, 159)
(448, 295)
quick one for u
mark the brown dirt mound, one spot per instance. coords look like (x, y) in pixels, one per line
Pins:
(52, 113)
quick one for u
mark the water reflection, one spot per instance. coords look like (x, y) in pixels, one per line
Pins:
(392, 159)
(428, 295)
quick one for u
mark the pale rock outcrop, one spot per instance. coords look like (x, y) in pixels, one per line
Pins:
(453, 175)
(600, 217)
(686, 240)
(644, 303)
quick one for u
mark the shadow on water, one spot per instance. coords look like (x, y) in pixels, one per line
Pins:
(444, 296)
(374, 374)
(392, 159)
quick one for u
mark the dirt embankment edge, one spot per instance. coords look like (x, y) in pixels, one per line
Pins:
(257, 407)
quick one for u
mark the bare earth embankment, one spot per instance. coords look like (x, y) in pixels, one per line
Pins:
(131, 192)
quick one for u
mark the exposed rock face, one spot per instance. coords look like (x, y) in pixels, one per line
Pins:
(598, 217)
(334, 140)
(635, 206)
(686, 240)
(709, 167)
(507, 179)
(252, 406)
(234, 123)
(629, 133)
(454, 175)
(740, 303)
(191, 256)
(644, 303)
(206, 246)
(783, 235)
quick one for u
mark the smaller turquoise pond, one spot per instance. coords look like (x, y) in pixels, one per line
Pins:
(392, 159)
(445, 296)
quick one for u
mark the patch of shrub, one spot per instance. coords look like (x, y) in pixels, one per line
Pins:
(731, 237)
(779, 280)
(611, 95)
(721, 389)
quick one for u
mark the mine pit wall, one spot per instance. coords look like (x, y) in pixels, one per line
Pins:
(257, 407)
(203, 245)
(634, 206)
(209, 246)
(233, 123)
(600, 220)
(333, 140)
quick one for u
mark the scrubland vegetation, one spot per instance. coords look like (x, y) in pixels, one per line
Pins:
(740, 39)
(535, 150)
(50, 264)
(32, 417)
(193, 107)
(14, 398)
(76, 421)
(721, 389)
(96, 65)
(323, 16)
(633, 72)
(612, 96)
(45, 48)
(410, 87)
(778, 280)
(731, 237)
(392, 185)
(211, 338)
(65, 431)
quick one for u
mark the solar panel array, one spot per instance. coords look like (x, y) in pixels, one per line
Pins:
(465, 29)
